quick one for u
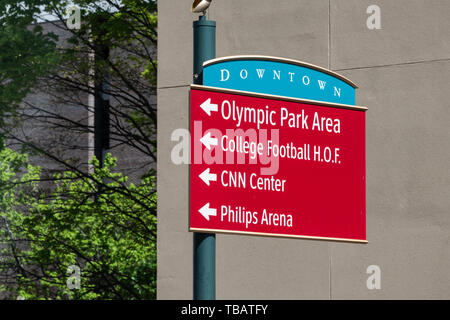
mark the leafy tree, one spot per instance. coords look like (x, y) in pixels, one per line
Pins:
(94, 219)
(109, 234)
(15, 194)
(67, 73)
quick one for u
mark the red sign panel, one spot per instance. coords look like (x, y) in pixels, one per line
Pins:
(264, 165)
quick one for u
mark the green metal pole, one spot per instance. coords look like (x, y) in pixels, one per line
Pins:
(204, 243)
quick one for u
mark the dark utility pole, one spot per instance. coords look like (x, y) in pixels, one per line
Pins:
(204, 243)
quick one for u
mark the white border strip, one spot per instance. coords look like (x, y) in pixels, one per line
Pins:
(278, 235)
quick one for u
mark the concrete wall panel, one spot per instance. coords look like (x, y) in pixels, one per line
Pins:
(174, 240)
(408, 179)
(269, 268)
(403, 76)
(411, 30)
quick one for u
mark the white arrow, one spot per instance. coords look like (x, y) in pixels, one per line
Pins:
(208, 141)
(207, 106)
(206, 176)
(206, 211)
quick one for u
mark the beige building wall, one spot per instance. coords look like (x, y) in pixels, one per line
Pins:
(403, 74)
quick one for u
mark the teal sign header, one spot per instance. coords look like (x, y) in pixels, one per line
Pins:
(278, 76)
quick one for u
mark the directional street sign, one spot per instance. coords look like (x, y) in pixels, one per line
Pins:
(276, 166)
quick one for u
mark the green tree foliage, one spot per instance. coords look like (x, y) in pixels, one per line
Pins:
(16, 193)
(91, 222)
(96, 220)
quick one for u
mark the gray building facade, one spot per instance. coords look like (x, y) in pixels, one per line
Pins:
(402, 70)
